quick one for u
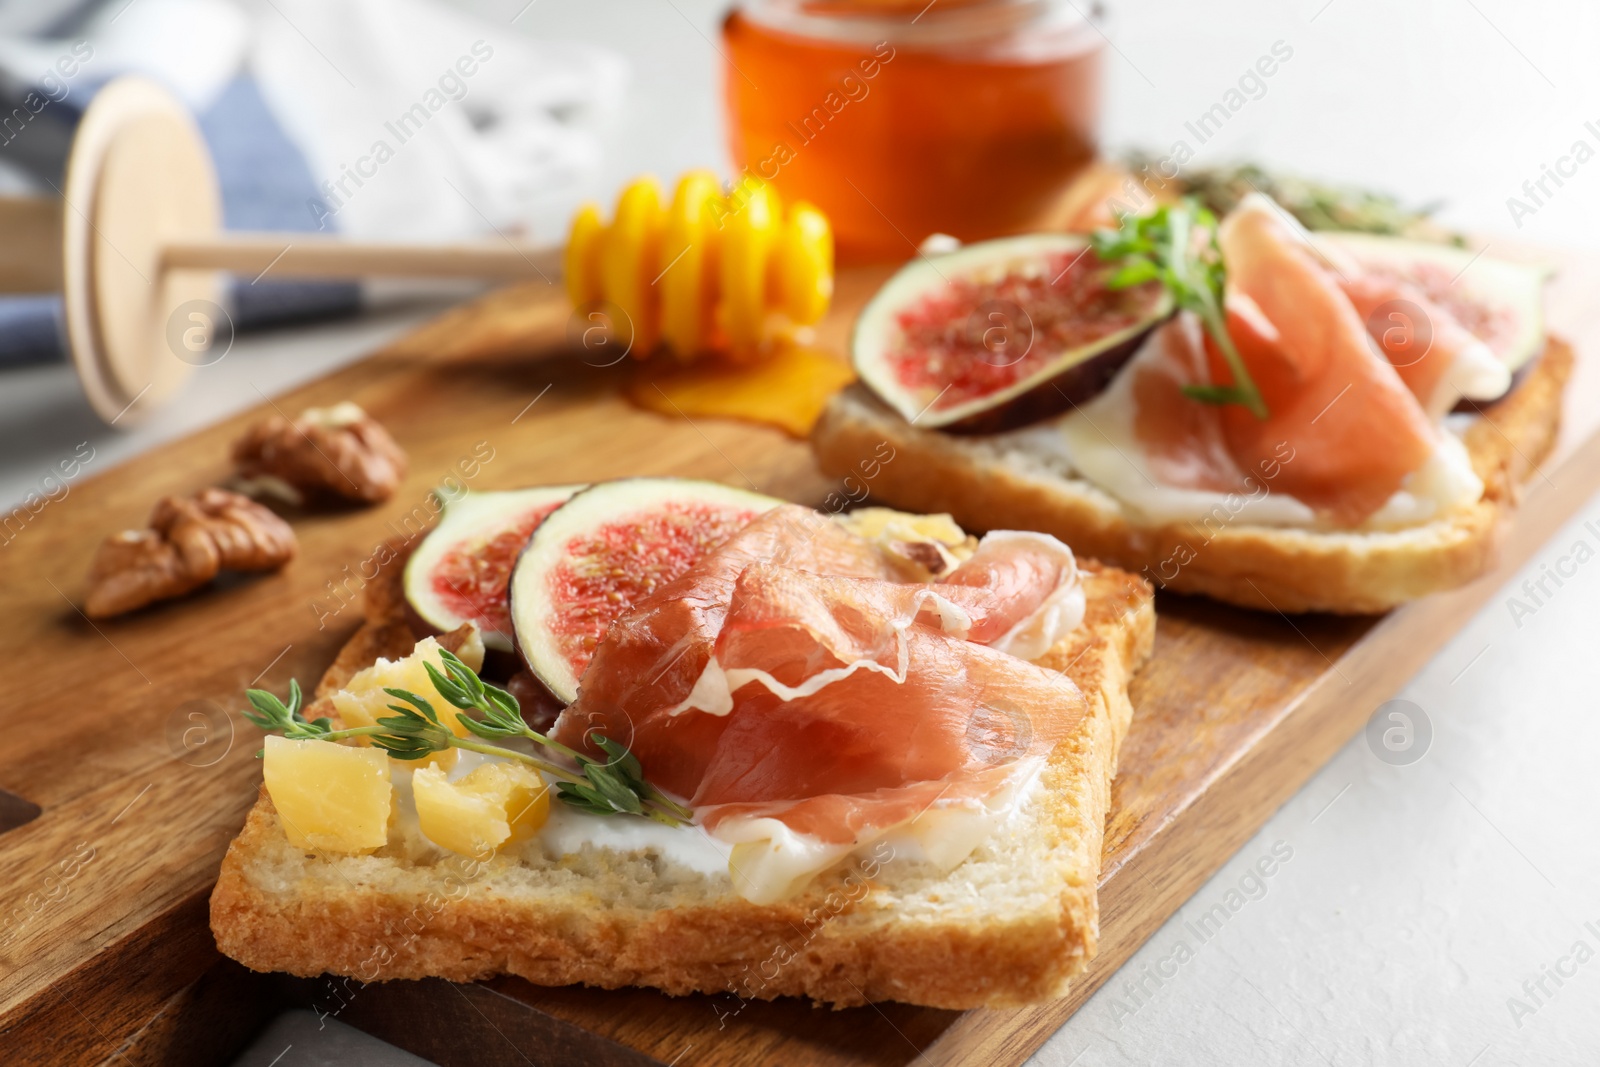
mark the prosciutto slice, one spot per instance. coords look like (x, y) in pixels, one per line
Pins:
(1338, 401)
(788, 676)
(1438, 358)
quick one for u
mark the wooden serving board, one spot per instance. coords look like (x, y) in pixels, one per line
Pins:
(126, 735)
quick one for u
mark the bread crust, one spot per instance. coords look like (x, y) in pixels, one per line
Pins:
(852, 938)
(1287, 570)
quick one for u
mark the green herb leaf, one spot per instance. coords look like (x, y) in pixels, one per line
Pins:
(461, 686)
(1177, 245)
(615, 787)
(464, 675)
(1213, 394)
(1134, 272)
(457, 695)
(406, 748)
(274, 716)
(422, 706)
(504, 703)
(622, 760)
(584, 798)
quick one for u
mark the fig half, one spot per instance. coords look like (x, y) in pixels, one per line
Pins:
(1000, 333)
(1500, 302)
(602, 552)
(460, 570)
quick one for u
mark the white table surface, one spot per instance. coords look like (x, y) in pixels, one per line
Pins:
(1418, 899)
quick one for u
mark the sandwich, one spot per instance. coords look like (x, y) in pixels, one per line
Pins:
(1279, 419)
(667, 733)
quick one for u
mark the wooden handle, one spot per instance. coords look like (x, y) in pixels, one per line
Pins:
(292, 255)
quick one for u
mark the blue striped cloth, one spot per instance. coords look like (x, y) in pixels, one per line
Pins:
(265, 185)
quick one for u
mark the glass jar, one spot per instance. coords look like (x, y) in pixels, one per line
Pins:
(903, 118)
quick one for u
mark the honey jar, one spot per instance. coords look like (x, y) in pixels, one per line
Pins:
(904, 118)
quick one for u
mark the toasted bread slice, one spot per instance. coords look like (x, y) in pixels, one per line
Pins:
(1009, 926)
(1291, 570)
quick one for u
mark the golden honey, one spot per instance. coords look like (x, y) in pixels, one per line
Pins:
(903, 119)
(711, 272)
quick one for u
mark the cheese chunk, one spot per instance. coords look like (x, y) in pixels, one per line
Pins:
(331, 797)
(363, 701)
(496, 804)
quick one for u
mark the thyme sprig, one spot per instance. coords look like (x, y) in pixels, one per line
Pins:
(274, 716)
(415, 732)
(1177, 246)
(618, 784)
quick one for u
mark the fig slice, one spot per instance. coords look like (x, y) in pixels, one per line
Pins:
(460, 570)
(603, 551)
(1000, 333)
(1500, 302)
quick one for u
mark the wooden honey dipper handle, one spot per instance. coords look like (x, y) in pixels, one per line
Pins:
(141, 245)
(316, 256)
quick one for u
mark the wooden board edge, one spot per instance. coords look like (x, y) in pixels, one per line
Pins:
(82, 1017)
(507, 1027)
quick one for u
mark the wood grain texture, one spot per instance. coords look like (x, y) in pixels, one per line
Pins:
(127, 734)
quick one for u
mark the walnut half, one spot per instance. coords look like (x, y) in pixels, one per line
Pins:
(339, 451)
(188, 542)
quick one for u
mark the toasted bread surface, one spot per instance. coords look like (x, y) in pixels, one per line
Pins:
(1274, 568)
(1009, 926)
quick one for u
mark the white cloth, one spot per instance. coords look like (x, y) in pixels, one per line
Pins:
(337, 74)
(340, 73)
